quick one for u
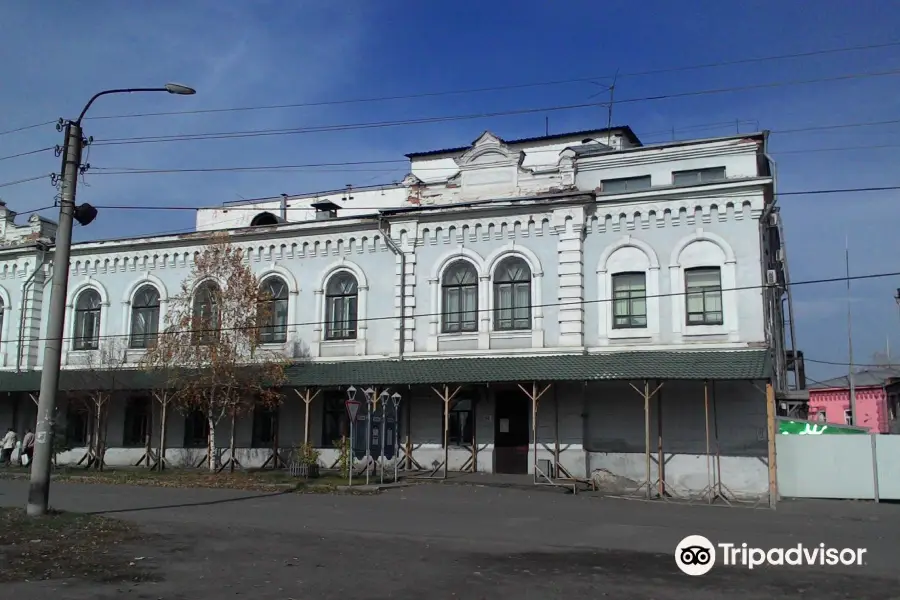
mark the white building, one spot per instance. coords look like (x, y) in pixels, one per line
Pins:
(586, 262)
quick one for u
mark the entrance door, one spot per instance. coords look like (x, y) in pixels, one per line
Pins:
(511, 434)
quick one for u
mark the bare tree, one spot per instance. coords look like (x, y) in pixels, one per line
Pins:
(103, 376)
(211, 346)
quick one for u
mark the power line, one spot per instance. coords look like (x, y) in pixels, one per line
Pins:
(448, 118)
(545, 305)
(315, 167)
(506, 87)
(20, 181)
(29, 153)
(27, 127)
(847, 364)
(351, 206)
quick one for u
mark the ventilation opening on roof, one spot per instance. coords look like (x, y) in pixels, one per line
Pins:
(265, 218)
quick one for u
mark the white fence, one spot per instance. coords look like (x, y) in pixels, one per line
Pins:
(857, 467)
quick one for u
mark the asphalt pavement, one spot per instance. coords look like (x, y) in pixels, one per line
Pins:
(446, 541)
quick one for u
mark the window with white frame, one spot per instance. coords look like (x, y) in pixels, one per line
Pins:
(696, 176)
(820, 416)
(459, 295)
(144, 317)
(703, 296)
(625, 184)
(341, 304)
(629, 300)
(206, 313)
(273, 311)
(512, 295)
(848, 416)
(87, 320)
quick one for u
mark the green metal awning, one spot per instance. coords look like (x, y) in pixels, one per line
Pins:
(645, 364)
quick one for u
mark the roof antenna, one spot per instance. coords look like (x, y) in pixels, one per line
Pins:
(609, 106)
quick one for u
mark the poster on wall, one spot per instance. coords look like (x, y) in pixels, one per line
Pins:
(797, 427)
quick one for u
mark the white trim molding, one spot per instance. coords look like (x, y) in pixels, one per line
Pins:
(628, 255)
(435, 329)
(537, 283)
(74, 292)
(704, 249)
(362, 302)
(293, 317)
(6, 314)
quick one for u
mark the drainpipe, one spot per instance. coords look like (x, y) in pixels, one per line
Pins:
(787, 278)
(23, 305)
(386, 232)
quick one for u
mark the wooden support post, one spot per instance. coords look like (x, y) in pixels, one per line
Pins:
(307, 396)
(647, 394)
(709, 489)
(556, 432)
(535, 397)
(770, 428)
(447, 398)
(660, 455)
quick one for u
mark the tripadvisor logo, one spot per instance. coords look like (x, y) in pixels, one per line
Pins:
(696, 555)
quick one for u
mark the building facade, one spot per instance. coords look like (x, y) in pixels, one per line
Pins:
(564, 299)
(877, 400)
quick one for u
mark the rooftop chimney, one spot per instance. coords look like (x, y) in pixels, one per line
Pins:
(325, 209)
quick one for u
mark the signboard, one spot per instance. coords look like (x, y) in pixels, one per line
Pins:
(352, 408)
(793, 427)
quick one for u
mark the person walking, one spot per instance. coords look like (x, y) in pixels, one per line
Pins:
(6, 447)
(27, 448)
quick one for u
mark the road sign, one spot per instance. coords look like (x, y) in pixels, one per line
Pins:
(352, 408)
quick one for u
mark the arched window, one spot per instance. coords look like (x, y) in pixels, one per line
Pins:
(340, 307)
(206, 313)
(273, 311)
(459, 294)
(512, 295)
(144, 317)
(87, 320)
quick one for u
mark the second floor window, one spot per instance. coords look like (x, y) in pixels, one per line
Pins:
(629, 300)
(206, 313)
(273, 311)
(87, 320)
(625, 185)
(512, 295)
(459, 295)
(144, 317)
(696, 176)
(341, 296)
(703, 290)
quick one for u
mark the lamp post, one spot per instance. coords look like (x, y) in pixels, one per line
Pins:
(384, 400)
(39, 490)
(395, 399)
(352, 409)
(371, 400)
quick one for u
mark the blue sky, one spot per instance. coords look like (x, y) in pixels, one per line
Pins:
(268, 52)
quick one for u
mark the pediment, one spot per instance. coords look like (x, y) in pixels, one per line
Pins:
(489, 149)
(411, 181)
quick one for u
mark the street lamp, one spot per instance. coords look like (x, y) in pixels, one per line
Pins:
(395, 399)
(352, 409)
(39, 490)
(384, 400)
(371, 401)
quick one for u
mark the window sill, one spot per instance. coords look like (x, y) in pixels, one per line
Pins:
(630, 333)
(334, 343)
(693, 330)
(511, 334)
(463, 335)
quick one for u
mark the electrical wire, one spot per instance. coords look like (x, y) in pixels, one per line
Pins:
(845, 364)
(20, 181)
(317, 167)
(544, 305)
(507, 87)
(449, 206)
(251, 133)
(29, 153)
(27, 127)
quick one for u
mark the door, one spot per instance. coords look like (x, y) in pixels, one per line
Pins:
(511, 436)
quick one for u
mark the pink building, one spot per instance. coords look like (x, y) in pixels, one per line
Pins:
(877, 400)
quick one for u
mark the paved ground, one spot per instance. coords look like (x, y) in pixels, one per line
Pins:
(441, 541)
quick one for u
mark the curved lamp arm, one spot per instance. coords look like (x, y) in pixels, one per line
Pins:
(171, 88)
